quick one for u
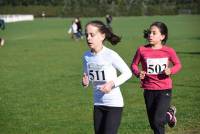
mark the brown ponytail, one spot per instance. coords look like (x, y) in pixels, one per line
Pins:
(110, 36)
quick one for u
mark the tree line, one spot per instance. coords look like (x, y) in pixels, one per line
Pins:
(86, 8)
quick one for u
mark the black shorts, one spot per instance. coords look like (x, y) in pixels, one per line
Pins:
(107, 119)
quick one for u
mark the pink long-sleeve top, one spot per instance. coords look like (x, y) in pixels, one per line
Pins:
(153, 62)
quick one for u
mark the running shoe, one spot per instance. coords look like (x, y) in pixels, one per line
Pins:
(172, 112)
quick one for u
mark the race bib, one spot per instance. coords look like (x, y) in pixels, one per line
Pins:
(96, 72)
(156, 65)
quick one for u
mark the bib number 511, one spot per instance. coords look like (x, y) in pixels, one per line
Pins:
(96, 75)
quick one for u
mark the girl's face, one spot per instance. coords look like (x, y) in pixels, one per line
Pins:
(155, 37)
(93, 37)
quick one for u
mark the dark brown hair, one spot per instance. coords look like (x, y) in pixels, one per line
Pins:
(163, 30)
(110, 36)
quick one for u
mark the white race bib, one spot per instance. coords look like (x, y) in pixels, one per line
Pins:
(96, 72)
(156, 65)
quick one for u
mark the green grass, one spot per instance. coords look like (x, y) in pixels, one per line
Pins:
(41, 67)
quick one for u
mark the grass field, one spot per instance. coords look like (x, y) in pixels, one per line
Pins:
(41, 67)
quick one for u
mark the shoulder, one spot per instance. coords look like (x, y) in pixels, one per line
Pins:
(143, 47)
(168, 48)
(111, 53)
(87, 53)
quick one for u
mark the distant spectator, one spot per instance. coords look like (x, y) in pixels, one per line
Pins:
(109, 21)
(79, 27)
(2, 41)
(73, 30)
(43, 14)
(2, 24)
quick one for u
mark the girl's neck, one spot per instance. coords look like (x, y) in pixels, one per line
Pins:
(97, 50)
(156, 46)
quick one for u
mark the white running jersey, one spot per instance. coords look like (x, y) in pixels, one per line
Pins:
(101, 68)
(74, 28)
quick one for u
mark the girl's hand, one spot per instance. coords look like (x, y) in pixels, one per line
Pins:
(142, 75)
(85, 80)
(167, 71)
(107, 87)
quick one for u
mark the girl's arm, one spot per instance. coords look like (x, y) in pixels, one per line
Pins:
(121, 66)
(175, 61)
(135, 62)
(125, 71)
(85, 79)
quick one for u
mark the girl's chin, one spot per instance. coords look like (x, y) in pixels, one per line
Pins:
(90, 46)
(151, 43)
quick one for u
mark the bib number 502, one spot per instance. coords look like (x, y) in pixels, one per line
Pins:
(156, 69)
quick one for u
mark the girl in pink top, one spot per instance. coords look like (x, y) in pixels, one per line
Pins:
(158, 63)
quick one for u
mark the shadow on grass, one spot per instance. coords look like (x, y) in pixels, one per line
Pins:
(195, 38)
(190, 53)
(183, 85)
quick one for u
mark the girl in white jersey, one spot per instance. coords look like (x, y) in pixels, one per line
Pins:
(100, 69)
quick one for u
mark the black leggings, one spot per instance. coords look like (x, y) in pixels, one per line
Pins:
(157, 104)
(107, 119)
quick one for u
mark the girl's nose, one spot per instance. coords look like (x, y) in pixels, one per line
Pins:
(88, 37)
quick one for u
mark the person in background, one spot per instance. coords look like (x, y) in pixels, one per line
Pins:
(2, 41)
(79, 27)
(100, 69)
(2, 24)
(159, 62)
(43, 14)
(109, 21)
(73, 30)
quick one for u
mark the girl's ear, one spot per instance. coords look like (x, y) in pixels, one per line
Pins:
(162, 37)
(103, 36)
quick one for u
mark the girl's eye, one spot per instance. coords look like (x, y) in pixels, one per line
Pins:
(92, 35)
(154, 33)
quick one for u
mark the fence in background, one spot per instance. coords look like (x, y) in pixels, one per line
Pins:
(16, 18)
